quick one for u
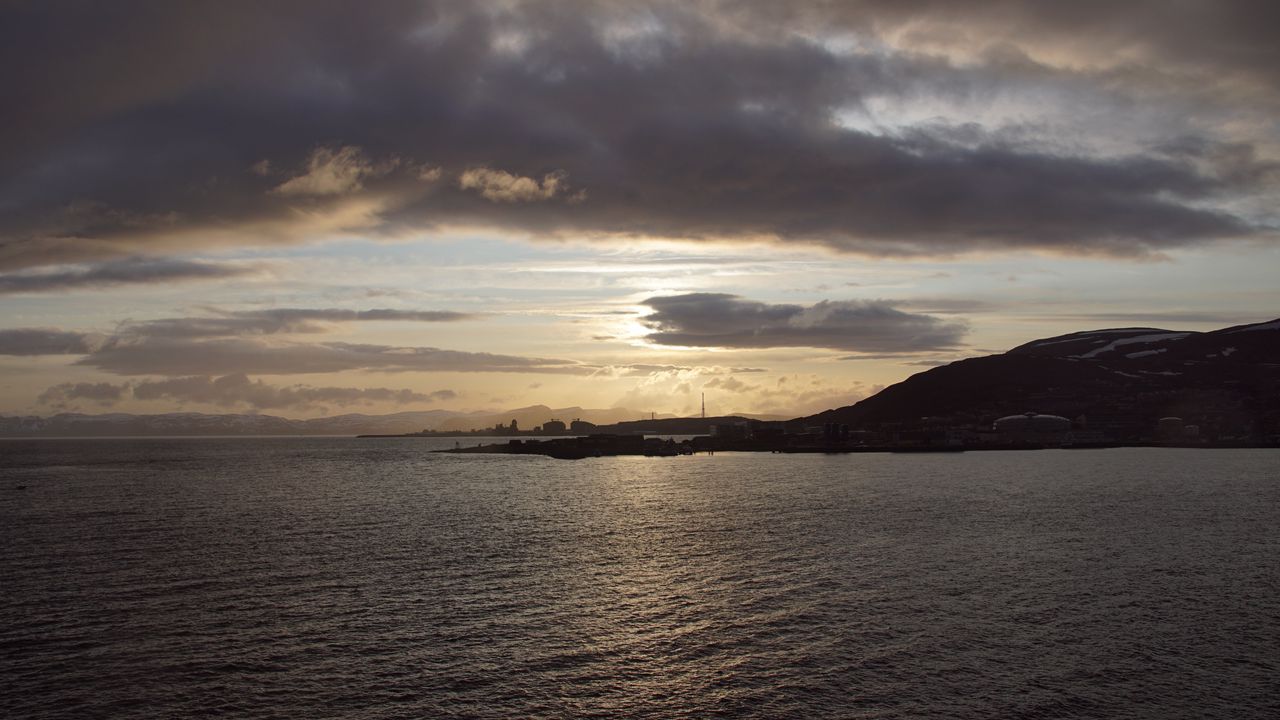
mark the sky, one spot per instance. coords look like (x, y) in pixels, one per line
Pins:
(313, 208)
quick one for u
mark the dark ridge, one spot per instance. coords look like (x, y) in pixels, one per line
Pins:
(1226, 381)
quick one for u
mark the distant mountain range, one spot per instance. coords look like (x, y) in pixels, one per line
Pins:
(125, 424)
(188, 423)
(529, 417)
(1227, 381)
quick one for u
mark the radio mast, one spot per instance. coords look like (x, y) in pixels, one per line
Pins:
(704, 406)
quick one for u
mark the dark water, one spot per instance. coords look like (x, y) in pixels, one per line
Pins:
(364, 578)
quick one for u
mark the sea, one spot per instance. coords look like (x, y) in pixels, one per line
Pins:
(372, 578)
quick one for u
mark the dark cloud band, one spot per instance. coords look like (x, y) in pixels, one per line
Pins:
(234, 390)
(181, 356)
(46, 341)
(690, 120)
(277, 320)
(728, 321)
(121, 272)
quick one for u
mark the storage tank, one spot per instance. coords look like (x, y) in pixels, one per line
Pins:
(1033, 428)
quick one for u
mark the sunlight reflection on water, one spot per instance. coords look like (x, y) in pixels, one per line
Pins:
(341, 577)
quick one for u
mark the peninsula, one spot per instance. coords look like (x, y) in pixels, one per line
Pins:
(1100, 388)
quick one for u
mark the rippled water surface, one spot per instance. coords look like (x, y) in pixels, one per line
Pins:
(367, 578)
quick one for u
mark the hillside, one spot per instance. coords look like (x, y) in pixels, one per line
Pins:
(1227, 381)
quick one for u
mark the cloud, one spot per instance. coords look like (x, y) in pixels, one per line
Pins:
(175, 356)
(1222, 38)
(133, 271)
(923, 128)
(796, 395)
(234, 390)
(339, 315)
(237, 342)
(728, 321)
(238, 389)
(278, 320)
(671, 371)
(46, 341)
(949, 306)
(730, 384)
(329, 172)
(64, 395)
(810, 398)
(787, 395)
(500, 186)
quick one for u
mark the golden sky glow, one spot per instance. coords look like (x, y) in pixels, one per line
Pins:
(481, 206)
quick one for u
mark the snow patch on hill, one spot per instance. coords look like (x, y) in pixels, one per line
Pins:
(1140, 339)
